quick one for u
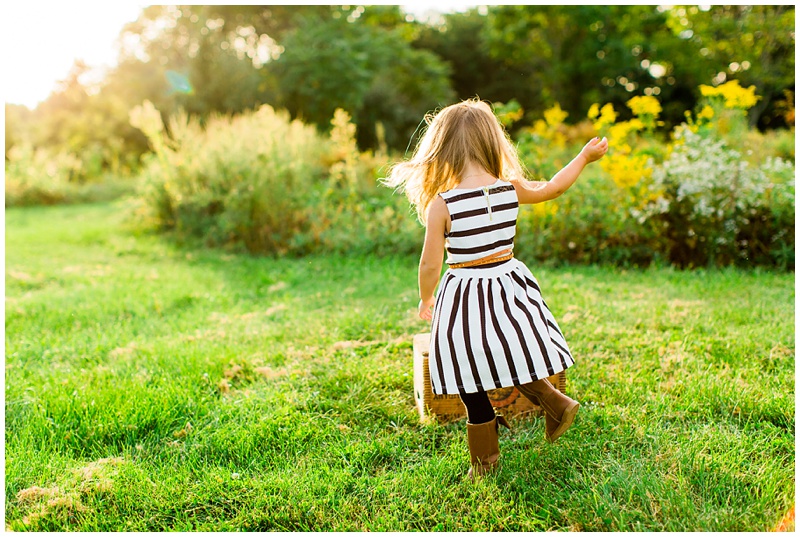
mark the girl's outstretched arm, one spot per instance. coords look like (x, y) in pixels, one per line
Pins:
(430, 263)
(539, 191)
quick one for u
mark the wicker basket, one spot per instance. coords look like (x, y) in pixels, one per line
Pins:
(446, 408)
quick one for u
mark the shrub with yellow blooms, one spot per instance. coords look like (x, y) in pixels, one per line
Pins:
(646, 105)
(729, 104)
(625, 165)
(625, 169)
(550, 128)
(555, 116)
(619, 133)
(700, 121)
(707, 113)
(602, 117)
(688, 201)
(647, 109)
(733, 94)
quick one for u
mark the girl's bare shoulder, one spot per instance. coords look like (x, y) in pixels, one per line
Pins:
(438, 209)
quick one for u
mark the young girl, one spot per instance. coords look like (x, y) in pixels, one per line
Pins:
(490, 326)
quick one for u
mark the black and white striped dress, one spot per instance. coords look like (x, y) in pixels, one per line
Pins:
(491, 328)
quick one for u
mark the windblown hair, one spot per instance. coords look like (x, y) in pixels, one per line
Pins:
(459, 133)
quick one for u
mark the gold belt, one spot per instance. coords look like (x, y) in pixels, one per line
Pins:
(503, 255)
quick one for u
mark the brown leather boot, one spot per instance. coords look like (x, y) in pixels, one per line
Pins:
(484, 447)
(559, 410)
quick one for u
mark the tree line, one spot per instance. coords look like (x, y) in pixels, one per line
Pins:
(387, 69)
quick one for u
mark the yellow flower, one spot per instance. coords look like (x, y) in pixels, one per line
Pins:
(626, 170)
(709, 91)
(555, 115)
(594, 111)
(607, 116)
(607, 113)
(619, 132)
(644, 106)
(706, 113)
(540, 128)
(623, 148)
(735, 95)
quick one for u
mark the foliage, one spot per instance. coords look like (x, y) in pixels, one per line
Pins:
(691, 203)
(387, 70)
(579, 55)
(754, 44)
(543, 66)
(353, 214)
(39, 177)
(508, 113)
(588, 54)
(719, 209)
(459, 39)
(17, 127)
(370, 72)
(245, 179)
(33, 176)
(214, 61)
(236, 57)
(90, 125)
(151, 387)
(269, 184)
(694, 202)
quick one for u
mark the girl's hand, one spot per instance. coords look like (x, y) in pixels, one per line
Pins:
(425, 307)
(595, 149)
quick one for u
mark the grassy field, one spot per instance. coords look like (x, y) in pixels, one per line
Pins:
(150, 386)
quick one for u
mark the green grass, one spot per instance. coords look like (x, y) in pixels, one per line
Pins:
(151, 386)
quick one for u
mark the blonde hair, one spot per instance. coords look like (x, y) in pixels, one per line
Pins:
(462, 132)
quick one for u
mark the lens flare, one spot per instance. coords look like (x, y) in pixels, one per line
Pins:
(179, 83)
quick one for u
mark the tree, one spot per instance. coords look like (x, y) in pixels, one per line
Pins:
(192, 44)
(754, 44)
(18, 121)
(580, 55)
(460, 40)
(577, 56)
(308, 59)
(371, 72)
(92, 124)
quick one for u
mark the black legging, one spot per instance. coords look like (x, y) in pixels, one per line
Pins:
(479, 408)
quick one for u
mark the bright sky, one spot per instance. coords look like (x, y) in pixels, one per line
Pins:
(41, 40)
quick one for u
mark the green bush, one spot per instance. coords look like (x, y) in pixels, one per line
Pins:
(245, 180)
(705, 205)
(587, 225)
(39, 177)
(356, 214)
(718, 209)
(689, 202)
(262, 182)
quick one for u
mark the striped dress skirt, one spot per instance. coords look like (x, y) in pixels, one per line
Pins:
(491, 328)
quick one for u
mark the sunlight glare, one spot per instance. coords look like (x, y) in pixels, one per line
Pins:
(54, 36)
